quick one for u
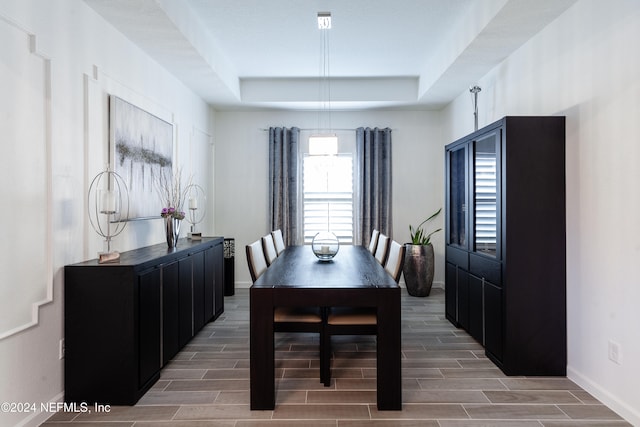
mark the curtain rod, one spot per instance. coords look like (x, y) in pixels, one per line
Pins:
(322, 130)
(318, 130)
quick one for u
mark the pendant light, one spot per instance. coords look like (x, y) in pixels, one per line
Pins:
(324, 142)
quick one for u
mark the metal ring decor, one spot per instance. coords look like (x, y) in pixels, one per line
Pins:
(108, 205)
(197, 204)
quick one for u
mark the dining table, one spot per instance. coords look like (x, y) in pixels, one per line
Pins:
(353, 278)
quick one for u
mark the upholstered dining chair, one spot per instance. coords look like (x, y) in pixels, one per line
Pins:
(395, 260)
(382, 248)
(256, 260)
(278, 240)
(356, 320)
(373, 244)
(269, 249)
(287, 319)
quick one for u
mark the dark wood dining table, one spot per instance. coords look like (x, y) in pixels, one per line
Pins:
(353, 278)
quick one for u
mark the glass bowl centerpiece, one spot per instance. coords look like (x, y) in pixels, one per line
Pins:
(325, 245)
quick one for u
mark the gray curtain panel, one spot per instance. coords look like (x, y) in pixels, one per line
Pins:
(283, 182)
(373, 180)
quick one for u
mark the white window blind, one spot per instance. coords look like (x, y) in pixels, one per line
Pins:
(328, 196)
(486, 223)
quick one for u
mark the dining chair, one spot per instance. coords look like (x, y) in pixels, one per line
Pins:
(256, 260)
(382, 249)
(373, 244)
(278, 240)
(287, 319)
(395, 260)
(269, 249)
(356, 320)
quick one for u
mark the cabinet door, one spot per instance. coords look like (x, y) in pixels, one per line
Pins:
(457, 295)
(170, 311)
(185, 306)
(486, 197)
(150, 359)
(476, 327)
(493, 320)
(198, 291)
(457, 197)
(209, 284)
(218, 255)
(463, 298)
(451, 293)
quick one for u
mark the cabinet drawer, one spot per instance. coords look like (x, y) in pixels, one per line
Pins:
(457, 257)
(486, 268)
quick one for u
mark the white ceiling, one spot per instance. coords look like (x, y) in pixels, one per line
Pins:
(383, 53)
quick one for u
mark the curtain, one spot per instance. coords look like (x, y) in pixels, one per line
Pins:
(373, 184)
(283, 182)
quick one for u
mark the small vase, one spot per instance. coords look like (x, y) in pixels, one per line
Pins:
(172, 229)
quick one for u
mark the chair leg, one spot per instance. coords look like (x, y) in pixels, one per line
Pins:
(325, 359)
(325, 350)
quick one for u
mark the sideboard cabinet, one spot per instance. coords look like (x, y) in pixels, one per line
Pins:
(125, 321)
(505, 242)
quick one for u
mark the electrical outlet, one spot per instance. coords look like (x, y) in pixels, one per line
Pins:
(615, 352)
(61, 349)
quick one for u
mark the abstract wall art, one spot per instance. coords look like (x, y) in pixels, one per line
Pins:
(141, 148)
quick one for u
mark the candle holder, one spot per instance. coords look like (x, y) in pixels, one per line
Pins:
(108, 209)
(325, 245)
(197, 204)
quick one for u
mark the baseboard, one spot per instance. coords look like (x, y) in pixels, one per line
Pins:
(612, 402)
(435, 284)
(439, 285)
(38, 417)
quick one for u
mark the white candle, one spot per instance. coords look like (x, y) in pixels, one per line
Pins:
(193, 203)
(324, 249)
(108, 202)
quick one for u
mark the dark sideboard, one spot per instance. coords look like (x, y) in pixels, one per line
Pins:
(125, 321)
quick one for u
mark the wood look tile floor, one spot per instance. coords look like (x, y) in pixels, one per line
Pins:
(447, 382)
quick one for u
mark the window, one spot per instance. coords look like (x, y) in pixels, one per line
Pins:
(486, 175)
(328, 196)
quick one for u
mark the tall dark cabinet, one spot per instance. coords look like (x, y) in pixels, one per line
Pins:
(125, 321)
(505, 242)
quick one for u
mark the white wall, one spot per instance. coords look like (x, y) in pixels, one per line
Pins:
(88, 60)
(586, 66)
(241, 172)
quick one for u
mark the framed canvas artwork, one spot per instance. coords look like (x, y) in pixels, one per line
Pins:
(140, 148)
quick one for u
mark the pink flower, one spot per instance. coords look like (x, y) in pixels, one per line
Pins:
(171, 212)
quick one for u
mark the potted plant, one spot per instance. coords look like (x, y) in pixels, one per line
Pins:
(418, 265)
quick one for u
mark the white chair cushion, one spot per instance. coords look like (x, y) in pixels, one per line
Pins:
(374, 241)
(256, 258)
(296, 315)
(381, 251)
(278, 241)
(393, 265)
(269, 249)
(352, 316)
